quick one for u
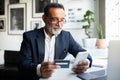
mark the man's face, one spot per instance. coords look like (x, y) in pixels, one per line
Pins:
(55, 20)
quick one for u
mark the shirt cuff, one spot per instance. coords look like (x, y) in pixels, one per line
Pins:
(88, 62)
(38, 70)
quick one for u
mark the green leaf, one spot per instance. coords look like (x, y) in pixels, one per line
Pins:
(87, 17)
(100, 32)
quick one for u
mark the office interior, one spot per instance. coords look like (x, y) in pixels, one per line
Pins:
(106, 13)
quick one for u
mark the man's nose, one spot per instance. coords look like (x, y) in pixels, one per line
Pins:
(59, 23)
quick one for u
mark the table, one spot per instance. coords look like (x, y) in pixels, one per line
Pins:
(99, 63)
(98, 53)
(67, 74)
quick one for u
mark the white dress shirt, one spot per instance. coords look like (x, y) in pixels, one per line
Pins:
(49, 50)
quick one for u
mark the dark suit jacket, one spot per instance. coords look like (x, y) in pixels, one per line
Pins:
(33, 49)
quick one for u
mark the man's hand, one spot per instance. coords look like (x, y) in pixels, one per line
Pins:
(81, 67)
(47, 68)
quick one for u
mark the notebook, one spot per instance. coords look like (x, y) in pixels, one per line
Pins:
(96, 75)
(113, 67)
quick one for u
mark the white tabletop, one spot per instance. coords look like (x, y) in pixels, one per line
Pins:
(63, 74)
(67, 74)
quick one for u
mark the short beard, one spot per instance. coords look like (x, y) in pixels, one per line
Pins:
(52, 31)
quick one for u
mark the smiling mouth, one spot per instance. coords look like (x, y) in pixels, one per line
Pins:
(56, 28)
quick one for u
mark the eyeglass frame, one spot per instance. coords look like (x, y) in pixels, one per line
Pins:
(55, 20)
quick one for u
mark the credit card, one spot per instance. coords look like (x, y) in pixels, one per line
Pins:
(62, 63)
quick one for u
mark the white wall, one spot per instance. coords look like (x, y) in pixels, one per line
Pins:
(13, 42)
(76, 27)
(112, 19)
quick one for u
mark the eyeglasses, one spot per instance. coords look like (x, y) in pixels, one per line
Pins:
(56, 20)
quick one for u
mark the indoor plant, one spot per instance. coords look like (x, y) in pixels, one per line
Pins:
(89, 19)
(100, 32)
(101, 41)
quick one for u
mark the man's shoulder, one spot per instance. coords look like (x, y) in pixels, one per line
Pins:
(65, 33)
(33, 32)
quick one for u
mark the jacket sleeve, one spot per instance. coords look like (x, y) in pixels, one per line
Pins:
(74, 48)
(26, 66)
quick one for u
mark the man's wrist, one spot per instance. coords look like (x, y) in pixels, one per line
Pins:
(88, 62)
(38, 70)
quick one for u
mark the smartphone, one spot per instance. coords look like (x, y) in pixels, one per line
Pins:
(80, 57)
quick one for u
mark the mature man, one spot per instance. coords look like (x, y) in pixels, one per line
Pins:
(40, 47)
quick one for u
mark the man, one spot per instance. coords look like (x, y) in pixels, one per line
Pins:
(41, 47)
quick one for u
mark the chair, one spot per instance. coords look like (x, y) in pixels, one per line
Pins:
(9, 69)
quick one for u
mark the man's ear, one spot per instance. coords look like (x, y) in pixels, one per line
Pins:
(44, 18)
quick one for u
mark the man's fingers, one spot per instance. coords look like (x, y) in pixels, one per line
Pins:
(47, 63)
(47, 68)
(80, 68)
(85, 62)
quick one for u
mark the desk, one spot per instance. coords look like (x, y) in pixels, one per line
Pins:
(98, 53)
(67, 74)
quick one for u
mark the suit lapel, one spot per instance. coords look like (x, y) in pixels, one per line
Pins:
(41, 44)
(58, 48)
